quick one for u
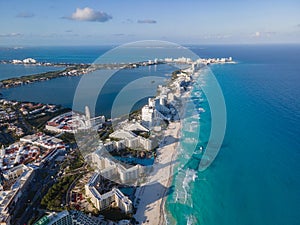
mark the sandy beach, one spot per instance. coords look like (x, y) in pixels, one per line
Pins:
(151, 196)
(153, 193)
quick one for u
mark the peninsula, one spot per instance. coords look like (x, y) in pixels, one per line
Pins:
(80, 69)
(99, 184)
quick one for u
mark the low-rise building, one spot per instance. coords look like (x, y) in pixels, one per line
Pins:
(14, 172)
(21, 176)
(43, 140)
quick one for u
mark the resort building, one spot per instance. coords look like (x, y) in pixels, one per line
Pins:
(135, 126)
(115, 145)
(29, 61)
(72, 122)
(155, 112)
(68, 122)
(114, 198)
(115, 171)
(70, 218)
(131, 140)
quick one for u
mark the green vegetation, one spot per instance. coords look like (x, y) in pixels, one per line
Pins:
(53, 200)
(74, 161)
(56, 195)
(175, 74)
(40, 122)
(68, 138)
(144, 134)
(77, 161)
(104, 134)
(135, 114)
(39, 77)
(133, 152)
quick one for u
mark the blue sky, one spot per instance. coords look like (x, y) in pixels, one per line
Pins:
(100, 22)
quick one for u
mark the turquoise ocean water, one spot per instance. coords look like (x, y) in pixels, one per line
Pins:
(255, 178)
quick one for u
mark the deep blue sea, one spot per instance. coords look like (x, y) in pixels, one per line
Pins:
(255, 179)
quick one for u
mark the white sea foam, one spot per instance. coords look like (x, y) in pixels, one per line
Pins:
(190, 140)
(191, 220)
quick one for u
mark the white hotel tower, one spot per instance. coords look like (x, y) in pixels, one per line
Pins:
(87, 117)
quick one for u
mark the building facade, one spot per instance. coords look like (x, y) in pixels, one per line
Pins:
(113, 198)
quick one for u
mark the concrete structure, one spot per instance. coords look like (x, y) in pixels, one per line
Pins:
(62, 218)
(135, 126)
(43, 140)
(88, 116)
(20, 153)
(115, 145)
(79, 218)
(29, 61)
(113, 198)
(14, 172)
(21, 176)
(71, 122)
(155, 112)
(70, 218)
(131, 140)
(68, 122)
(115, 171)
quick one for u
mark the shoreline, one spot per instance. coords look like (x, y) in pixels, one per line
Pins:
(78, 69)
(175, 154)
(153, 211)
(70, 70)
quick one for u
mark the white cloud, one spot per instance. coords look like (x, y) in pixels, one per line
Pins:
(259, 34)
(11, 35)
(147, 21)
(216, 36)
(88, 14)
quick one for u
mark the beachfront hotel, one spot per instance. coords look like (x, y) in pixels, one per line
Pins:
(154, 112)
(113, 198)
(131, 140)
(115, 171)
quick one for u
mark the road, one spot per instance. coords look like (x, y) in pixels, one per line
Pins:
(40, 187)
